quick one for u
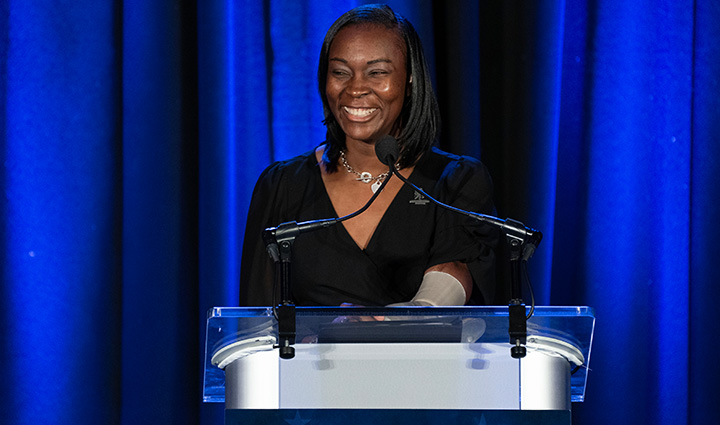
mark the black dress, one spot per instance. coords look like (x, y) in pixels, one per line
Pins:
(329, 268)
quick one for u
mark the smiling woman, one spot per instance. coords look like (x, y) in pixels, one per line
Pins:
(373, 81)
(366, 82)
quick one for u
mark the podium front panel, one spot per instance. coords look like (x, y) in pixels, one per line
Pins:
(414, 358)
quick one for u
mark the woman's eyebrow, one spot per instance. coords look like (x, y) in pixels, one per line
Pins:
(374, 61)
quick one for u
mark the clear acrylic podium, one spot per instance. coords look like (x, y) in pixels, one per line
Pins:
(362, 365)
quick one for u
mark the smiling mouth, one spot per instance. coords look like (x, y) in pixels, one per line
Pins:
(359, 112)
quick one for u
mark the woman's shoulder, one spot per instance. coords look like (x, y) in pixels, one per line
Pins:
(456, 177)
(289, 168)
(449, 165)
(281, 185)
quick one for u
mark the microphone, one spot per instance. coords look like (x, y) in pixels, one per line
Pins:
(387, 151)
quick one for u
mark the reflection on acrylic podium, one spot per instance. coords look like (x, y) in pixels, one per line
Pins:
(416, 365)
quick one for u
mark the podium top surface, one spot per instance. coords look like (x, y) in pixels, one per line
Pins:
(564, 330)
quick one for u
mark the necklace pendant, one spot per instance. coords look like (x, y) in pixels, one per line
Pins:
(375, 186)
(365, 177)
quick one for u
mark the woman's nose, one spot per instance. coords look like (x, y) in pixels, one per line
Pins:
(358, 86)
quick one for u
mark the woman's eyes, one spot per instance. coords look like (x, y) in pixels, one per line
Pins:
(372, 73)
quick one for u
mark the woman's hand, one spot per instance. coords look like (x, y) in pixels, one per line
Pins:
(344, 319)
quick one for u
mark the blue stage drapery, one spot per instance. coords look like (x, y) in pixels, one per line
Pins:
(133, 132)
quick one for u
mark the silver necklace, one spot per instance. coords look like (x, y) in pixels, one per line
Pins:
(364, 176)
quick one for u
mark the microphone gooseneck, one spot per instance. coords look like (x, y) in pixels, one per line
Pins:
(523, 241)
(279, 244)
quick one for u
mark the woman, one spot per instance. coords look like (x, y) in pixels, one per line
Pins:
(374, 81)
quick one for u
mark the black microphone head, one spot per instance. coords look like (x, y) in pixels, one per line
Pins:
(387, 150)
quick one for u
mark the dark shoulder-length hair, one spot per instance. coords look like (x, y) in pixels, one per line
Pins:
(420, 116)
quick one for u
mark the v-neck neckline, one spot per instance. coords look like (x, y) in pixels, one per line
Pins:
(344, 231)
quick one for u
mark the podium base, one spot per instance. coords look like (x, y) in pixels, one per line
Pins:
(395, 417)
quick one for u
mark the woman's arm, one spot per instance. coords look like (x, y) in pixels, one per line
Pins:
(459, 271)
(443, 284)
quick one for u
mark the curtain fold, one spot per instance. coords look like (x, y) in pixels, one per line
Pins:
(637, 212)
(61, 214)
(160, 270)
(704, 210)
(520, 121)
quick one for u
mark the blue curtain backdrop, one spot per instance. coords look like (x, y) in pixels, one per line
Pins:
(133, 132)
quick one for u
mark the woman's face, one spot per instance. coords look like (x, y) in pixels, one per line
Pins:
(366, 81)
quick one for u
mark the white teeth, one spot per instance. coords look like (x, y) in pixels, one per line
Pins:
(359, 112)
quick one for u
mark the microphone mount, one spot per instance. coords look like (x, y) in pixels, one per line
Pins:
(522, 241)
(279, 243)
